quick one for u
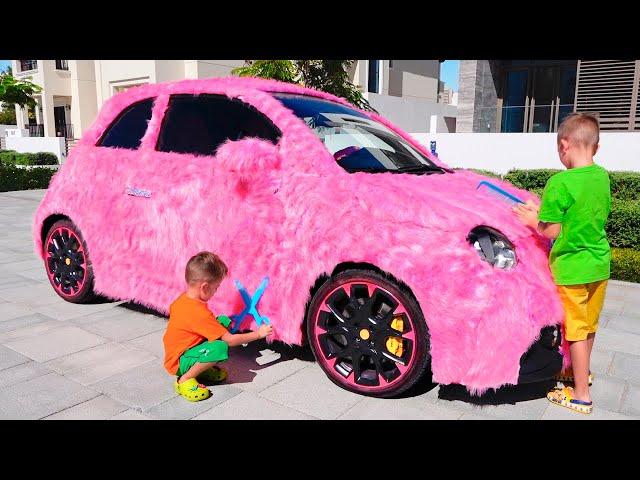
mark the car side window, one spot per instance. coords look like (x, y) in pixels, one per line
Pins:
(199, 124)
(127, 130)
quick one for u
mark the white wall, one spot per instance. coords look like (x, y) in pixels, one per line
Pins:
(55, 145)
(4, 128)
(501, 152)
(412, 114)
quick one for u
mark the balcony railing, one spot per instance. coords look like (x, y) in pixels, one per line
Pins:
(62, 65)
(36, 130)
(26, 65)
(64, 130)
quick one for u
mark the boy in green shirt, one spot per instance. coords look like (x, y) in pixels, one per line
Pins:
(574, 209)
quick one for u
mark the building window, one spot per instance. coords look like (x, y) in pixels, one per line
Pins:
(538, 96)
(124, 88)
(127, 130)
(62, 65)
(26, 65)
(200, 124)
(374, 76)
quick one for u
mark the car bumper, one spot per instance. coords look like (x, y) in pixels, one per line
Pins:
(543, 360)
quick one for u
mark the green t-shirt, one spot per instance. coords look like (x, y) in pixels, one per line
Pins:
(579, 199)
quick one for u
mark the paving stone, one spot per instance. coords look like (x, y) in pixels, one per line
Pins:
(555, 412)
(606, 392)
(126, 325)
(22, 373)
(67, 310)
(38, 274)
(250, 406)
(98, 408)
(10, 310)
(625, 322)
(179, 408)
(57, 342)
(9, 358)
(41, 397)
(310, 391)
(476, 416)
(27, 326)
(600, 360)
(37, 294)
(400, 409)
(141, 387)
(631, 401)
(98, 363)
(626, 367)
(130, 415)
(618, 341)
(523, 410)
(151, 342)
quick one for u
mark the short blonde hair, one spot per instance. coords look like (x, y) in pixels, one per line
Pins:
(205, 267)
(580, 128)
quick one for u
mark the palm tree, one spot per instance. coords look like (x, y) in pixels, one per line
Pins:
(327, 75)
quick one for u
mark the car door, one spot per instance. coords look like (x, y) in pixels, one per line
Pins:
(201, 201)
(113, 179)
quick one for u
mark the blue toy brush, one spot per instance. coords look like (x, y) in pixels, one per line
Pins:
(498, 193)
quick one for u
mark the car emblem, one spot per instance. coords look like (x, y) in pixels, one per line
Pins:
(137, 192)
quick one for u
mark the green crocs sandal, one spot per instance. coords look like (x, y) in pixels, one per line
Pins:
(192, 390)
(213, 375)
(568, 377)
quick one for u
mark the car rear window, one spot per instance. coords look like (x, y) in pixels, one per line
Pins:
(200, 124)
(127, 130)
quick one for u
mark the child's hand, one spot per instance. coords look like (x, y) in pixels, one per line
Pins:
(265, 330)
(527, 213)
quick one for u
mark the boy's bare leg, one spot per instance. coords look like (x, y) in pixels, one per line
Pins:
(580, 356)
(196, 370)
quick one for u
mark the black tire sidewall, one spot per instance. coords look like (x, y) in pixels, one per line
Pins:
(421, 335)
(86, 292)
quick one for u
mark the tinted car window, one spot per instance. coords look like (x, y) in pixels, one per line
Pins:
(200, 124)
(127, 130)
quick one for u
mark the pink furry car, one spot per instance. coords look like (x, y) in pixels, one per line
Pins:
(384, 260)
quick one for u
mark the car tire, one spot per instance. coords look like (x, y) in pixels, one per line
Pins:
(361, 314)
(67, 263)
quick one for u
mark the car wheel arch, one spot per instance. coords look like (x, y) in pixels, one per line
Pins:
(47, 223)
(342, 267)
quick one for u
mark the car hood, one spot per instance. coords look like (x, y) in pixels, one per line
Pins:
(448, 202)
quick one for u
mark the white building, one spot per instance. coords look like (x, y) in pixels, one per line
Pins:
(405, 91)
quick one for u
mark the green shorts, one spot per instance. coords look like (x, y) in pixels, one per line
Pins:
(216, 351)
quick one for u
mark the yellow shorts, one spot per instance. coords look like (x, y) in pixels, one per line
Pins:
(582, 306)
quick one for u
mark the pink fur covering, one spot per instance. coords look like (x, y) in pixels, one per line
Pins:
(290, 212)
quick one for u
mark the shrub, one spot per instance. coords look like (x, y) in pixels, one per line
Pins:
(530, 179)
(16, 158)
(625, 264)
(625, 185)
(623, 226)
(14, 178)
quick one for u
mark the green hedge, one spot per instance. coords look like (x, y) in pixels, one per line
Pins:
(625, 264)
(624, 185)
(14, 178)
(623, 226)
(39, 158)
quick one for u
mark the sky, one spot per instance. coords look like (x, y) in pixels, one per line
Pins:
(449, 73)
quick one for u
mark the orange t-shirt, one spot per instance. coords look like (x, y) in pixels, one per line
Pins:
(190, 323)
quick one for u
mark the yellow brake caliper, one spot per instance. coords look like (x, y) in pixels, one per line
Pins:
(394, 345)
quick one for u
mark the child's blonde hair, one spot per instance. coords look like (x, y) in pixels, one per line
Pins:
(205, 267)
(582, 129)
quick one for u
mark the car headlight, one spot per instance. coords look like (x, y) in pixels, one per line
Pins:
(493, 247)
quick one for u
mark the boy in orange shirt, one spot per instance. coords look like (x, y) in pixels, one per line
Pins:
(195, 340)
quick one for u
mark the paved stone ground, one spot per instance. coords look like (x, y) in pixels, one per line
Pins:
(103, 361)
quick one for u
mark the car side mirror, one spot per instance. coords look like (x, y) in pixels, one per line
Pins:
(248, 154)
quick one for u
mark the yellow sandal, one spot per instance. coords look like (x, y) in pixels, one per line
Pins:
(564, 398)
(192, 390)
(213, 375)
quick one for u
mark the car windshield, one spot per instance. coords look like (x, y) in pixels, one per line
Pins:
(358, 143)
